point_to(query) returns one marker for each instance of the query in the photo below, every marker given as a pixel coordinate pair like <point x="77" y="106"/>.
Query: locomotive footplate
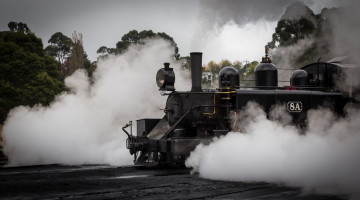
<point x="148" y="152"/>
<point x="181" y="146"/>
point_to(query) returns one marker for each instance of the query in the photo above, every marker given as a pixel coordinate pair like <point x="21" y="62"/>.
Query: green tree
<point x="167" y="37"/>
<point x="105" y="51"/>
<point x="102" y="50"/>
<point x="289" y="31"/>
<point x="59" y="48"/>
<point x="237" y="65"/>
<point x="135" y="37"/>
<point x="28" y="76"/>
<point x="214" y="67"/>
<point x="224" y="63"/>
<point x="89" y="66"/>
<point x="249" y="70"/>
<point x="19" y="27"/>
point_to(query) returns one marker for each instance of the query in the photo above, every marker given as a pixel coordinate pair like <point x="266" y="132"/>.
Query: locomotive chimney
<point x="196" y="71"/>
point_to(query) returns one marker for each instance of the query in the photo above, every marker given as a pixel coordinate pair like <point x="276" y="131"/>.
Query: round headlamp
<point x="165" y="78"/>
<point x="160" y="78"/>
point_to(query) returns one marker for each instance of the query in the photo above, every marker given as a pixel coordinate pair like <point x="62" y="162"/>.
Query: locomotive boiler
<point x="196" y="116"/>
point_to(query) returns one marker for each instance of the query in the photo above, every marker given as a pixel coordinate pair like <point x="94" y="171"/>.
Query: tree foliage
<point x="19" y="27"/>
<point x="28" y="76"/>
<point x="59" y="47"/>
<point x="215" y="68"/>
<point x="289" y="31"/>
<point x="135" y="37"/>
<point x="248" y="69"/>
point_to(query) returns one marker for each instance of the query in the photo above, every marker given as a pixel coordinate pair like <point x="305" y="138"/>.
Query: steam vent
<point x="266" y="74"/>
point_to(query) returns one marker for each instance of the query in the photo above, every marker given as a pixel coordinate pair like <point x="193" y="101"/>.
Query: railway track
<point x="107" y="182"/>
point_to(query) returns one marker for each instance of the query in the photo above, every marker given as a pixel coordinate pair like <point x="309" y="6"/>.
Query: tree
<point x="238" y="65"/>
<point x="76" y="58"/>
<point x="225" y="63"/>
<point x="214" y="67"/>
<point x="19" y="27"/>
<point x="28" y="76"/>
<point x="249" y="70"/>
<point x="89" y="66"/>
<point x="167" y="37"/>
<point x="135" y="37"/>
<point x="12" y="26"/>
<point x="289" y="31"/>
<point x="59" y="47"/>
<point x="102" y="50"/>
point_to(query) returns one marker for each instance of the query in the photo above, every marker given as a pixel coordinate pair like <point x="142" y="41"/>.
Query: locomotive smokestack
<point x="196" y="71"/>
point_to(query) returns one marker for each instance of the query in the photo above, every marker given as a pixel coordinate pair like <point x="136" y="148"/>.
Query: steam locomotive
<point x="197" y="116"/>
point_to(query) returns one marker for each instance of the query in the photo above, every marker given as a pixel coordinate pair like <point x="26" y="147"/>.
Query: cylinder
<point x="196" y="71"/>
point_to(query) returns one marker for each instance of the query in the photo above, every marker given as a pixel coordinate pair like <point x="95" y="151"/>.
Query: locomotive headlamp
<point x="165" y="78"/>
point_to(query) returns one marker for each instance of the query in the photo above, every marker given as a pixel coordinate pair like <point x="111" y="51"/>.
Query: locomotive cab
<point x="322" y="74"/>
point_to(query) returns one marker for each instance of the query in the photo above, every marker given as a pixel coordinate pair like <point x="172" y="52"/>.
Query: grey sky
<point x="104" y="23"/>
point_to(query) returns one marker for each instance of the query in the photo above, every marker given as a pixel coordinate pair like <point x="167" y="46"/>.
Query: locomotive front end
<point x="191" y="117"/>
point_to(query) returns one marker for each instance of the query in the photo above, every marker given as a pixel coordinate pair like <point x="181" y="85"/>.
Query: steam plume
<point x="324" y="159"/>
<point x="84" y="125"/>
<point x="214" y="15"/>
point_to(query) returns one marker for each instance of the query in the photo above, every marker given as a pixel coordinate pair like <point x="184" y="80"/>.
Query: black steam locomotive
<point x="197" y="116"/>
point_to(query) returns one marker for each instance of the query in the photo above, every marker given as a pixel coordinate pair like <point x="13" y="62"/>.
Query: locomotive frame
<point x="197" y="116"/>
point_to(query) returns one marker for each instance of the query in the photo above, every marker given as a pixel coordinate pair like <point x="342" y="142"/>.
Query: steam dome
<point x="229" y="78"/>
<point x="299" y="78"/>
<point x="266" y="74"/>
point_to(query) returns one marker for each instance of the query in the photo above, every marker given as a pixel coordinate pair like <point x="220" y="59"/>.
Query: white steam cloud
<point x="323" y="159"/>
<point x="84" y="125"/>
<point x="287" y="57"/>
<point x="214" y="15"/>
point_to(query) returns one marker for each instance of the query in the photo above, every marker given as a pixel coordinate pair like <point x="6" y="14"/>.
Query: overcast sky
<point x="105" y="22"/>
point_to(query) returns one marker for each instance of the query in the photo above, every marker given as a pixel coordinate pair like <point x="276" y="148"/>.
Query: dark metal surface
<point x="266" y="75"/>
<point x="229" y="77"/>
<point x="105" y="182"/>
<point x="196" y="71"/>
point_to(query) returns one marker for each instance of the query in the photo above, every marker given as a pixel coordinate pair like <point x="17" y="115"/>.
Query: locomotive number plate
<point x="294" y="106"/>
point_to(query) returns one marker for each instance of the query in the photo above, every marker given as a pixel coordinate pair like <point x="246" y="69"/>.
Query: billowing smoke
<point x="214" y="15"/>
<point x="287" y="57"/>
<point x="83" y="126"/>
<point x="323" y="158"/>
<point x="344" y="34"/>
<point x="336" y="36"/>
